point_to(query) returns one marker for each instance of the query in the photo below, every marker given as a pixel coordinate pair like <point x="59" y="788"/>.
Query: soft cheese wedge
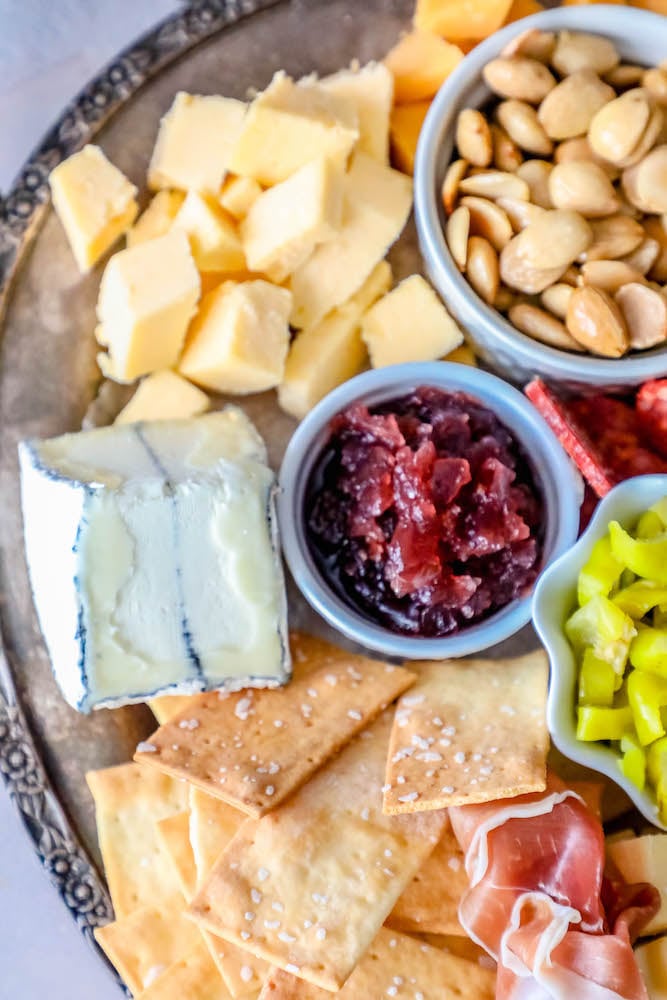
<point x="156" y="569"/>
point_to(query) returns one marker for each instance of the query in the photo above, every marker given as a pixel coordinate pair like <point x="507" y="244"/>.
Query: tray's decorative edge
<point x="21" y="212"/>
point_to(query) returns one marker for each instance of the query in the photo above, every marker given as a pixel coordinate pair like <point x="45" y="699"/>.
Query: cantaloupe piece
<point x="404" y="129"/>
<point x="455" y="19"/>
<point x="420" y="63"/>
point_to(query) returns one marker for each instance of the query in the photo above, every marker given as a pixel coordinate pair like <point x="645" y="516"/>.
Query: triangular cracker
<point x="174" y="836"/>
<point x="254" y="747"/>
<point x="469" y="731"/>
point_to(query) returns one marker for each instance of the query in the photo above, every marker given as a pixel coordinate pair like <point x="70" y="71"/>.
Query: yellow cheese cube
<point x="456" y="19"/>
<point x="326" y="355"/>
<point x="157" y="218"/>
<point x="463" y="355"/>
<point x="214" y="238"/>
<point x="406" y="124"/>
<point x="147" y="296"/>
<point x="652" y="962"/>
<point x="286" y="223"/>
<point x="376" y="205"/>
<point x="238" y="194"/>
<point x="371" y="88"/>
<point x="409" y="324"/>
<point x="287" y="125"/>
<point x="420" y="63"/>
<point x="644" y="859"/>
<point x="94" y="201"/>
<point x="194" y="143"/>
<point x="239" y="339"/>
<point x="164" y="396"/>
<point x="524" y="8"/>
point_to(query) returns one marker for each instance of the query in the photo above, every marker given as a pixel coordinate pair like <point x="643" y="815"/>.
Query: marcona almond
<point x="567" y="110"/>
<point x="521" y="123"/>
<point x="519" y="77"/>
<point x="520" y="213"/>
<point x="583" y="187"/>
<point x="456" y="234"/>
<point x="645" y="256"/>
<point x="532" y="43"/>
<point x="609" y="275"/>
<point x="536" y="174"/>
<point x="473" y="137"/>
<point x="655" y="228"/>
<point x="618" y="126"/>
<point x="647" y="181"/>
<point x="488" y="220"/>
<point x="456" y="171"/>
<point x="577" y="50"/>
<point x="495" y="184"/>
<point x="482" y="269"/>
<point x="579" y="149"/>
<point x="595" y="322"/>
<point x="613" y="237"/>
<point x="555" y="298"/>
<point x="645" y="314"/>
<point x="539" y="255"/>
<point x="652" y="134"/>
<point x="506" y="154"/>
<point x="655" y="81"/>
<point x="542" y="326"/>
<point x="624" y="76"/>
<point x="505" y="299"/>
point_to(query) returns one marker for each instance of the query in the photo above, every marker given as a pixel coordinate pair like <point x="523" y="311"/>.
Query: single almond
<point x="609" y="275"/>
<point x="556" y="297"/>
<point x="654" y="133"/>
<point x="645" y="314"/>
<point x="482" y="268"/>
<point x="520" y="213"/>
<point x="655" y="82"/>
<point x="580" y="149"/>
<point x="613" y="237"/>
<point x="595" y="322"/>
<point x="473" y="137"/>
<point x="624" y="76"/>
<point x="495" y="184"/>
<point x="645" y="184"/>
<point x="644" y="256"/>
<point x="619" y="124"/>
<point x="583" y="187"/>
<point x="456" y="171"/>
<point x="577" y="50"/>
<point x="568" y="110"/>
<point x="519" y="77"/>
<point x="487" y="219"/>
<point x="521" y="123"/>
<point x="506" y="154"/>
<point x="533" y="43"/>
<point x="540" y="254"/>
<point x="542" y="326"/>
<point x="456" y="234"/>
<point x="536" y="174"/>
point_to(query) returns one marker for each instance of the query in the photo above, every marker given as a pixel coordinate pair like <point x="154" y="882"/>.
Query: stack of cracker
<point x="286" y="844"/>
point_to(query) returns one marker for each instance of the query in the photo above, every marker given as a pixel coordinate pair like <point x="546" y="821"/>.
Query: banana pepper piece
<point x="600" y="574"/>
<point x="638" y="599"/>
<point x="648" y="651"/>
<point x="645" y="557"/>
<point x="595" y="723"/>
<point x="597" y="680"/>
<point x="633" y="761"/>
<point x="606" y="628"/>
<point x="647" y="694"/>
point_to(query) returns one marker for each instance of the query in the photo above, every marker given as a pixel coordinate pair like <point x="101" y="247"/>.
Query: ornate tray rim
<point x="22" y="211"/>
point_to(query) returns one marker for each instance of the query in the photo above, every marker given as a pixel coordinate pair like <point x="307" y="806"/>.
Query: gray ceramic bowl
<point x="561" y="487"/>
<point x="641" y="37"/>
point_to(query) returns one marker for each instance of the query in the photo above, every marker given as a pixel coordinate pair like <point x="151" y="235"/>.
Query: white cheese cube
<point x="157" y="569"/>
<point x="286" y="223"/>
<point x="147" y="297"/>
<point x="326" y="355"/>
<point x="214" y="239"/>
<point x="157" y="218"/>
<point x="194" y="143"/>
<point x="644" y="859"/>
<point x="238" y="194"/>
<point x="371" y="88"/>
<point x="376" y="205"/>
<point x="238" y="342"/>
<point x="288" y="125"/>
<point x="652" y="962"/>
<point x="164" y="396"/>
<point x="95" y="202"/>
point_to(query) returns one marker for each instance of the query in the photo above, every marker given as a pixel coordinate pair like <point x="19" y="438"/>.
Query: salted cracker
<point x="166" y="706"/>
<point x="213" y="823"/>
<point x="173" y="833"/>
<point x="252" y="748"/>
<point x="308" y="886"/>
<point x="242" y="972"/>
<point x="469" y="731"/>
<point x="192" y="978"/>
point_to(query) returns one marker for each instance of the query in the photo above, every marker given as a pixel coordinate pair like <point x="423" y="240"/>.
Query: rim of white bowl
<point x="630" y="22"/>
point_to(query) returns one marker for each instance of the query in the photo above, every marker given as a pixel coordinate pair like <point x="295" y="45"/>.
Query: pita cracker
<point x="142" y="946"/>
<point x="129" y="801"/>
<point x="165" y="706"/>
<point x="396" y="966"/>
<point x="308" y="886"/>
<point x="469" y="731"/>
<point x="213" y="823"/>
<point x="242" y="972"/>
<point x="430" y="903"/>
<point x="193" y="978"/>
<point x="252" y="748"/>
<point x="174" y="836"/>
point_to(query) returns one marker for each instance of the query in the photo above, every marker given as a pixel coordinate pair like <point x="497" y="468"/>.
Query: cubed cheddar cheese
<point x="644" y="859"/>
<point x="406" y="124"/>
<point x="287" y="125"/>
<point x="147" y="297"/>
<point x="524" y="8"/>
<point x="157" y="218"/>
<point x="238" y="195"/>
<point x="376" y="205"/>
<point x="287" y="222"/>
<point x="371" y="89"/>
<point x="326" y="355"/>
<point x="239" y="339"/>
<point x="214" y="238"/>
<point x="164" y="396"/>
<point x="95" y="202"/>
<point x="455" y="19"/>
<point x="420" y="63"/>
<point x="194" y="143"/>
<point x="652" y="961"/>
<point x="463" y="355"/>
<point x="409" y="324"/>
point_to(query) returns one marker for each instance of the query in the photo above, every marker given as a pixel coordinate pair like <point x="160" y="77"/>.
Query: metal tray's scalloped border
<point x="21" y="213"/>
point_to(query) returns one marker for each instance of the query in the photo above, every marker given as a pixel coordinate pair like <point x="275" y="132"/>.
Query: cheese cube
<point x="147" y="297"/>
<point x="326" y="355"/>
<point x="420" y="63"/>
<point x="371" y="88"/>
<point x="238" y="342"/>
<point x="194" y="143"/>
<point x="376" y="205"/>
<point x="214" y="238"/>
<point x="238" y="194"/>
<point x="94" y="201"/>
<point x="157" y="218"/>
<point x="652" y="962"/>
<point x="406" y="124"/>
<point x="409" y="324"/>
<point x="463" y="355"/>
<point x="288" y="125"/>
<point x="644" y="859"/>
<point x="286" y="223"/>
<point x="164" y="396"/>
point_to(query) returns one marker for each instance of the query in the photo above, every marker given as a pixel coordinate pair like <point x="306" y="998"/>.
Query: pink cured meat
<point x="541" y="903"/>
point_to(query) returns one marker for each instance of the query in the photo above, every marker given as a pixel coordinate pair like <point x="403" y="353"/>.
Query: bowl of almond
<point x="541" y="197"/>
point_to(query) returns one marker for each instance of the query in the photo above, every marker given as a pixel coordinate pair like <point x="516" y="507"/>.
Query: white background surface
<point x="48" y="50"/>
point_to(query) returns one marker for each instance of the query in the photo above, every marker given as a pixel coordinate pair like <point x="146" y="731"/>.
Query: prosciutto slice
<point x="541" y="903"/>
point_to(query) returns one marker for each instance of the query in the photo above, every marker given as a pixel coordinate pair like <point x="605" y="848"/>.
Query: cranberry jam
<point x="423" y="513"/>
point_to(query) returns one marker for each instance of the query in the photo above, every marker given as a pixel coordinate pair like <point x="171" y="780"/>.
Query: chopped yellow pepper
<point x="633" y="761"/>
<point x="600" y="574"/>
<point x="647" y="694"/>
<point x="597" y="680"/>
<point x="638" y="599"/>
<point x="656" y="762"/>
<point x="602" y="625"/>
<point x="660" y="508"/>
<point x="645" y="557"/>
<point x="649" y="525"/>
<point x="648" y="651"/>
<point x="595" y="723"/>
